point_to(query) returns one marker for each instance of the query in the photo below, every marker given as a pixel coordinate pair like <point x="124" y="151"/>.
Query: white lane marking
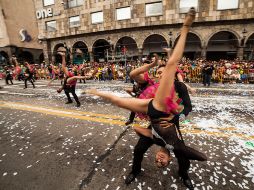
<point x="226" y="89"/>
<point x="18" y="86"/>
<point x="42" y="109"/>
<point x="15" y="93"/>
<point x="222" y="98"/>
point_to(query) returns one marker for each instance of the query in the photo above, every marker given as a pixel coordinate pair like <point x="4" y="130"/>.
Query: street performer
<point x="70" y="80"/>
<point x="165" y="105"/>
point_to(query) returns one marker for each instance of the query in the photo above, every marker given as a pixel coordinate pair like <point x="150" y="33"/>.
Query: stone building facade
<point x="19" y="31"/>
<point x="106" y="29"/>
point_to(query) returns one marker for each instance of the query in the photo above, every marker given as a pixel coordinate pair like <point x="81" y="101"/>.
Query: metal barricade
<point x="251" y="76"/>
<point x="195" y="75"/>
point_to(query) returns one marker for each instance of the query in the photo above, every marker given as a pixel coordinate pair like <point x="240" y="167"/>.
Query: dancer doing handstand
<point x="70" y="80"/>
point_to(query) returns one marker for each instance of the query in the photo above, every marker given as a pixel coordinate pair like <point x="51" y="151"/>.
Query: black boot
<point x="128" y="122"/>
<point x="187" y="182"/>
<point x="59" y="90"/>
<point x="130" y="178"/>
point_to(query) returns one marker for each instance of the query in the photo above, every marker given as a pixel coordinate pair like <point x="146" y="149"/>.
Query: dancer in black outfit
<point x="70" y="88"/>
<point x="163" y="107"/>
<point x="141" y="82"/>
<point x="70" y="81"/>
<point x="28" y="75"/>
<point x="145" y="143"/>
<point x="17" y="68"/>
<point x="8" y="75"/>
<point x="208" y="72"/>
<point x="133" y="93"/>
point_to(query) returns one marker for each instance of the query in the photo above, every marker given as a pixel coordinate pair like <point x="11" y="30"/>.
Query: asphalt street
<point x="47" y="144"/>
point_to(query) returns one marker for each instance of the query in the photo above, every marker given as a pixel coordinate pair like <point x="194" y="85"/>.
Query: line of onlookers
<point x="198" y="71"/>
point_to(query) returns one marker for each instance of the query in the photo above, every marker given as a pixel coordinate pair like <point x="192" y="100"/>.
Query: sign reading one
<point x="44" y="13"/>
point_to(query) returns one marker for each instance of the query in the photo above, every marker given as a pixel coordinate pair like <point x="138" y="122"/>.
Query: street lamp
<point x="244" y="32"/>
<point x="170" y="39"/>
<point x="111" y="46"/>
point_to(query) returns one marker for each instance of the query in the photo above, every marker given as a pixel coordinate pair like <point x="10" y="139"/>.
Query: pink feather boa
<point x="173" y="101"/>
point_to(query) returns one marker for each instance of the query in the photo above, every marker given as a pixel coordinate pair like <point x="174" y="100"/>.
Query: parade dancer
<point x="142" y="81"/>
<point x="131" y="92"/>
<point x="69" y="86"/>
<point x="135" y="91"/>
<point x="8" y="75"/>
<point x="82" y="71"/>
<point x="208" y="72"/>
<point x="28" y="74"/>
<point x="164" y="106"/>
<point x="57" y="73"/>
<point x="146" y="138"/>
<point x="17" y="68"/>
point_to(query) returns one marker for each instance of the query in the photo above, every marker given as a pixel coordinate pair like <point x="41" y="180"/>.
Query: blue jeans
<point x="127" y="77"/>
<point x="207" y="79"/>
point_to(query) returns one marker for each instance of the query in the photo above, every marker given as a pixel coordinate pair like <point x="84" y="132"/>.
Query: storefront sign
<point x="25" y="37"/>
<point x="44" y="13"/>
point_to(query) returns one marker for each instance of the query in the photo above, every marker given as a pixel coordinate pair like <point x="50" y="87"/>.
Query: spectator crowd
<point x="223" y="71"/>
<point x="197" y="71"/>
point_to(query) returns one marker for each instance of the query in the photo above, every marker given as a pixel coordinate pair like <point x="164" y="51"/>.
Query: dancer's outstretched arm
<point x="132" y="104"/>
<point x="75" y="78"/>
<point x="15" y="61"/>
<point x="53" y="68"/>
<point x="28" y="66"/>
<point x="65" y="70"/>
<point x="167" y="80"/>
<point x="138" y="73"/>
<point x="16" y="65"/>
